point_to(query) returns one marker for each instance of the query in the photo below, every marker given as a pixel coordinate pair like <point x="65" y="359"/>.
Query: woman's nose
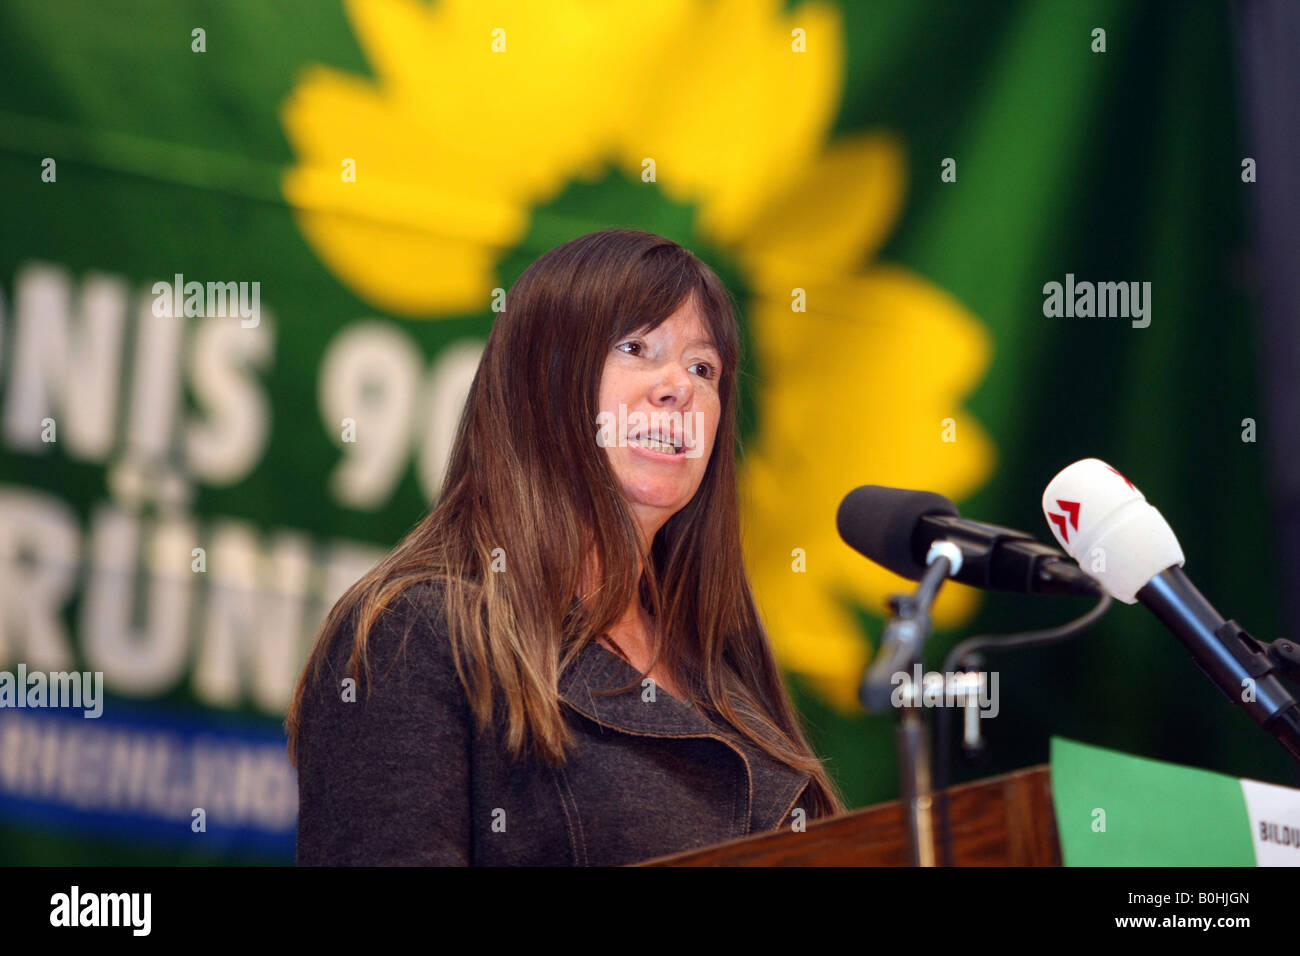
<point x="673" y="385"/>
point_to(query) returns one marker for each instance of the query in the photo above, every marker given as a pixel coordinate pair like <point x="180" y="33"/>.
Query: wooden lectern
<point x="1000" y="821"/>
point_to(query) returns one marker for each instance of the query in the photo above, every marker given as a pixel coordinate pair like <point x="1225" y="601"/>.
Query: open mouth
<point x="665" y="445"/>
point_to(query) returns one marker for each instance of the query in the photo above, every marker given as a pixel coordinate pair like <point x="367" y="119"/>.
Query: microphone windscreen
<point x="1104" y="523"/>
<point x="880" y="523"/>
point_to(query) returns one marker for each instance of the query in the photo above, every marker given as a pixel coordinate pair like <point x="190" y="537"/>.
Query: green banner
<point x="1113" y="809"/>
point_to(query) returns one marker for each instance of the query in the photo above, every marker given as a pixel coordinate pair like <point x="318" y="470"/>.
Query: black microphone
<point x="895" y="528"/>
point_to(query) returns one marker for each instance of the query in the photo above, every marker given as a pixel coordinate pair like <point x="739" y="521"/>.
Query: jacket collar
<point x="773" y="785"/>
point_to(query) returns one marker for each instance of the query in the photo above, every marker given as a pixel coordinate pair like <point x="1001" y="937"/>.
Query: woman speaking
<point x="562" y="664"/>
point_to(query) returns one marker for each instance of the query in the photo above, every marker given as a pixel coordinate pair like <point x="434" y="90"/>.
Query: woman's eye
<point x="707" y="369"/>
<point x="625" y="346"/>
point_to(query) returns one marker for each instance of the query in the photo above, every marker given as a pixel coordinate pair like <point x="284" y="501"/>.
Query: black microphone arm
<point x="896" y="528"/>
<point x="1239" y="665"/>
<point x="1002" y="559"/>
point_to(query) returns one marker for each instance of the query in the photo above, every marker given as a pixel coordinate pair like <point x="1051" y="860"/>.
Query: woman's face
<point x="659" y="392"/>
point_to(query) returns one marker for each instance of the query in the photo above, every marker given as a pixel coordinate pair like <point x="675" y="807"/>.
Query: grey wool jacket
<point x="403" y="776"/>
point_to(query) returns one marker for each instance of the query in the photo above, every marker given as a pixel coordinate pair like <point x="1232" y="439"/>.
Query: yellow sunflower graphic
<point x="480" y="111"/>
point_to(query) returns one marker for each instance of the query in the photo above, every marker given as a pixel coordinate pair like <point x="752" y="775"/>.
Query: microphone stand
<point x="1245" y="670"/>
<point x="1284" y="656"/>
<point x="901" y="645"/>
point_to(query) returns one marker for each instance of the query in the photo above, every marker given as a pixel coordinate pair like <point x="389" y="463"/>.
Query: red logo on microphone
<point x="1072" y="509"/>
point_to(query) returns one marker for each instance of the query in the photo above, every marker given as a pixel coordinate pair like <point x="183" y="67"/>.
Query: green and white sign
<point x="1114" y="809"/>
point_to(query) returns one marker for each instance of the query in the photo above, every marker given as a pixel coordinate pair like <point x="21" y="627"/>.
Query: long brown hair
<point x="536" y="392"/>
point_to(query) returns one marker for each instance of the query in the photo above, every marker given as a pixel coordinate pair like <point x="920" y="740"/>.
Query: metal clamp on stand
<point x="901" y="646"/>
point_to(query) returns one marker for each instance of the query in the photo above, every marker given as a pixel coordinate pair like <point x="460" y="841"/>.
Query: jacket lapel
<point x="773" y="786"/>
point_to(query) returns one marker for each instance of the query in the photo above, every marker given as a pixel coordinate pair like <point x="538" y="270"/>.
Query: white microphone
<point x="1105" y="524"/>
